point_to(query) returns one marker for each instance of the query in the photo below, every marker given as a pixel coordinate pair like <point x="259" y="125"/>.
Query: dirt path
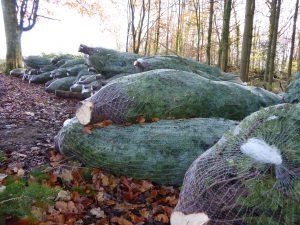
<point x="29" y="120"/>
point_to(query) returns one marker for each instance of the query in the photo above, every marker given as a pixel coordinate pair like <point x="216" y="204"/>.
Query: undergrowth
<point x="22" y="194"/>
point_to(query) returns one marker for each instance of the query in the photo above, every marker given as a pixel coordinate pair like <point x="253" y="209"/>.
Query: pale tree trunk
<point x="12" y="11"/>
<point x="237" y="41"/>
<point x="293" y="42"/>
<point x="274" y="45"/>
<point x="223" y="52"/>
<point x="181" y="7"/>
<point x="271" y="37"/>
<point x="148" y="25"/>
<point x="12" y="34"/>
<point x="298" y="67"/>
<point x="168" y="28"/>
<point x="247" y="39"/>
<point x="196" y="4"/>
<point x="209" y="32"/>
<point x="157" y="33"/>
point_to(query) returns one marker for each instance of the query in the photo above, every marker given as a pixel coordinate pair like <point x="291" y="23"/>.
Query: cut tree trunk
<point x="109" y="62"/>
<point x="40" y="78"/>
<point x="171" y="93"/>
<point x="69" y="94"/>
<point x="63" y="84"/>
<point x="160" y="151"/>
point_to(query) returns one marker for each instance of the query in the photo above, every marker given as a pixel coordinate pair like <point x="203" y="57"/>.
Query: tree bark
<point x="223" y="51"/>
<point x="12" y="34"/>
<point x="298" y="67"/>
<point x="274" y="45"/>
<point x="157" y="32"/>
<point x="247" y="39"/>
<point x="271" y="37"/>
<point x="293" y="42"/>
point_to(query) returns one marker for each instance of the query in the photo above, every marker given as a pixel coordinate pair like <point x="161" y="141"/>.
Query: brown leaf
<point x="61" y="206"/>
<point x="120" y="221"/>
<point x="88" y="129"/>
<point x="136" y="219"/>
<point x="103" y="124"/>
<point x="155" y="119"/>
<point x="162" y="218"/>
<point x="140" y="119"/>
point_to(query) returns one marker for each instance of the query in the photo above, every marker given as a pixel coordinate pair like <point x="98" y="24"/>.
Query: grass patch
<point x="2" y="65"/>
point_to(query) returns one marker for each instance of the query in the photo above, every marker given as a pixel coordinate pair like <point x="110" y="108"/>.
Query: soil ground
<point x="29" y="120"/>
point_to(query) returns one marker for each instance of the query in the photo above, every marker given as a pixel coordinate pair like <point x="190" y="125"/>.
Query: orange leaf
<point x="88" y="129"/>
<point x="140" y="119"/>
<point x="120" y="221"/>
<point x="144" y="213"/>
<point x="102" y="124"/>
<point x="162" y="218"/>
<point x="155" y="119"/>
<point x="136" y="219"/>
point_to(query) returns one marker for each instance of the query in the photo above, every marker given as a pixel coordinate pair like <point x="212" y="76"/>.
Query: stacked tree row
<point x="160" y="151"/>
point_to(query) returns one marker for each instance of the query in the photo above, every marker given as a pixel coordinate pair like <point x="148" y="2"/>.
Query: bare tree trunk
<point x="157" y="28"/>
<point x="274" y="45"/>
<point x="168" y="29"/>
<point x="271" y="37"/>
<point x="12" y="34"/>
<point x="148" y="22"/>
<point x="181" y="6"/>
<point x="298" y="67"/>
<point x="196" y="4"/>
<point x="209" y="32"/>
<point x="223" y="54"/>
<point x="293" y="42"/>
<point x="247" y="39"/>
<point x="237" y="40"/>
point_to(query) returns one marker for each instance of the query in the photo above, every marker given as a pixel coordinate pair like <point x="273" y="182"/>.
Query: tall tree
<point x="209" y="32"/>
<point x="136" y="27"/>
<point x="274" y="45"/>
<point x="223" y="51"/>
<point x="272" y="32"/>
<point x="247" y="40"/>
<point x="18" y="17"/>
<point x="293" y="41"/>
<point x="196" y="4"/>
<point x="158" y="24"/>
<point x="298" y="67"/>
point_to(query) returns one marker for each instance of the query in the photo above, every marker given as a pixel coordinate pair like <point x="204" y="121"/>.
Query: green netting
<point x="293" y="91"/>
<point x="252" y="175"/>
<point x="36" y="62"/>
<point x="63" y="84"/>
<point x="184" y="64"/>
<point x="172" y="93"/>
<point x="160" y="151"/>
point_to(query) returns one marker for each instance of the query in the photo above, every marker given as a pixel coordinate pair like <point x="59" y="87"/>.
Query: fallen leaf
<point x="140" y="119"/>
<point x="61" y="206"/>
<point x="88" y="129"/>
<point x="97" y="212"/>
<point x="120" y="221"/>
<point x="155" y="119"/>
<point x="103" y="124"/>
<point x="63" y="196"/>
<point x="162" y="218"/>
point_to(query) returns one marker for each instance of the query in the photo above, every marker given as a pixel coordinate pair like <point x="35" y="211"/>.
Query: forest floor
<point x="29" y="120"/>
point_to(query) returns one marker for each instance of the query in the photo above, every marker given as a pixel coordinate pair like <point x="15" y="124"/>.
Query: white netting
<point x="251" y="176"/>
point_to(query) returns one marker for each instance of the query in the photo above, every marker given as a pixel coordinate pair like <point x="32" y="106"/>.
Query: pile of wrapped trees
<point x="79" y="77"/>
<point x="193" y="112"/>
<point x="293" y="91"/>
<point x="251" y="176"/>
